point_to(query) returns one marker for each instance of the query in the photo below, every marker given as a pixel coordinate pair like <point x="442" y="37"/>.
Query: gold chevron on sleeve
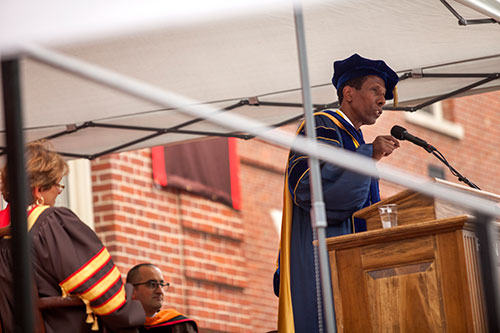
<point x="102" y="286"/>
<point x="113" y="304"/>
<point x="86" y="271"/>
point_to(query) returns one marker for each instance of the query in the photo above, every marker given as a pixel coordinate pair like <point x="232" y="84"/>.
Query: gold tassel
<point x="95" y="325"/>
<point x="64" y="293"/>
<point x="88" y="310"/>
<point x="91" y="318"/>
<point x="395" y="92"/>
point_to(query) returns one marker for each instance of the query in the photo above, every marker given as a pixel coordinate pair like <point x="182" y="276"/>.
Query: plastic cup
<point x="388" y="215"/>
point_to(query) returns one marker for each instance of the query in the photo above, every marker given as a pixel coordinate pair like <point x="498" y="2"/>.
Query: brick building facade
<point x="220" y="261"/>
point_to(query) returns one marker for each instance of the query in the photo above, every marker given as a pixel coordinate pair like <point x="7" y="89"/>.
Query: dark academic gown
<point x="68" y="258"/>
<point x="344" y="193"/>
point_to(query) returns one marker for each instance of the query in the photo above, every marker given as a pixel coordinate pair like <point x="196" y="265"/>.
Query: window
<point x="77" y="195"/>
<point x="435" y="171"/>
<point x="433" y="117"/>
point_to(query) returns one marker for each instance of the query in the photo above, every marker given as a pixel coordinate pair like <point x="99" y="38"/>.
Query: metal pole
<point x="487" y="232"/>
<point x="318" y="213"/>
<point x="21" y="246"/>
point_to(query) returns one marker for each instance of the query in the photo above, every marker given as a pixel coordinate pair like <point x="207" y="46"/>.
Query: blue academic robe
<point x="344" y="192"/>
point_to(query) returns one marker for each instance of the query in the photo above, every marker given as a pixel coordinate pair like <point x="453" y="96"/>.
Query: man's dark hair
<point x="356" y="83"/>
<point x="133" y="273"/>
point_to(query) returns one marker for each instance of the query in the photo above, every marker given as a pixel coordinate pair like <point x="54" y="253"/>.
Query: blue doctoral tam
<point x="356" y="66"/>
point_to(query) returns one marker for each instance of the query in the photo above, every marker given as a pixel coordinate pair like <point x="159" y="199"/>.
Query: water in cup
<point x="388" y="215"/>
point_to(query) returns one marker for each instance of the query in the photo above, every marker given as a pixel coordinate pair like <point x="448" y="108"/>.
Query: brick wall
<point x="475" y="156"/>
<point x="220" y="261"/>
<point x="262" y="168"/>
<point x="197" y="243"/>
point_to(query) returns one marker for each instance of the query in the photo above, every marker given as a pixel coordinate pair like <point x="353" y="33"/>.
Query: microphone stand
<point x="453" y="171"/>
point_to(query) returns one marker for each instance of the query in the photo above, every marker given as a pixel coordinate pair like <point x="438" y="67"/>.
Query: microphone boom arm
<point x="401" y="133"/>
<point x="453" y="171"/>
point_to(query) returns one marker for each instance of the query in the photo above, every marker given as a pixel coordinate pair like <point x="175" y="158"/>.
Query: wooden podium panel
<point x="412" y="278"/>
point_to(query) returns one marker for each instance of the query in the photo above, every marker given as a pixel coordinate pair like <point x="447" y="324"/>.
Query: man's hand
<point x="383" y="146"/>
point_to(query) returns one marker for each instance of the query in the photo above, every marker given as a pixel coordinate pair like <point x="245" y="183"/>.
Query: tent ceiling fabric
<point x="222" y="61"/>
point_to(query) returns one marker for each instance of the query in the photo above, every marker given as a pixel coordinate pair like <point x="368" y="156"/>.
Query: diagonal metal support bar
<point x="197" y="120"/>
<point x="72" y="129"/>
<point x="457" y="91"/>
<point x="487" y="78"/>
<point x="157" y="132"/>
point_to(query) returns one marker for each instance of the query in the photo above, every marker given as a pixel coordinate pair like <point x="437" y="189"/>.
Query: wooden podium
<point x="421" y="276"/>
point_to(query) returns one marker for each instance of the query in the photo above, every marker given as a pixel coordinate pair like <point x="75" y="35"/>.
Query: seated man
<point x="149" y="285"/>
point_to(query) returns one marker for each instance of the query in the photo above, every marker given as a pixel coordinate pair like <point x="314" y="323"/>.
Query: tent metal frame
<point x="255" y="101"/>
<point x="485" y="211"/>
<point x="462" y="21"/>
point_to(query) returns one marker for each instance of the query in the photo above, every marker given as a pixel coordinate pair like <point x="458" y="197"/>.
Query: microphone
<point x="401" y="133"/>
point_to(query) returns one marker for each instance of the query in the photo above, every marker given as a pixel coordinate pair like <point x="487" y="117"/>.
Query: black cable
<point x="453" y="171"/>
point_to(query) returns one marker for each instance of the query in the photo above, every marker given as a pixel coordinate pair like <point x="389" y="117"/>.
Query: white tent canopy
<point x="224" y="59"/>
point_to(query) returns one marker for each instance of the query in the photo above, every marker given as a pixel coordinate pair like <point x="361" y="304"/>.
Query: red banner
<point x="209" y="168"/>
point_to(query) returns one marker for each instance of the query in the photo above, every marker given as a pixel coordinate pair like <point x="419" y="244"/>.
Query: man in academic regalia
<point x="149" y="288"/>
<point x="363" y="86"/>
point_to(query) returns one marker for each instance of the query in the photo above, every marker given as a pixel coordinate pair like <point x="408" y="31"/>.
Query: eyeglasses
<point x="153" y="284"/>
<point x="60" y="186"/>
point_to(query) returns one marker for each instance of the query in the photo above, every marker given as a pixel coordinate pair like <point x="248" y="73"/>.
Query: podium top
<point x="415" y="207"/>
<point x="483" y="194"/>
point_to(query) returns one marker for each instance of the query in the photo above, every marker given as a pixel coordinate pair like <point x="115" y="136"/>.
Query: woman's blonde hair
<point x="44" y="168"/>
